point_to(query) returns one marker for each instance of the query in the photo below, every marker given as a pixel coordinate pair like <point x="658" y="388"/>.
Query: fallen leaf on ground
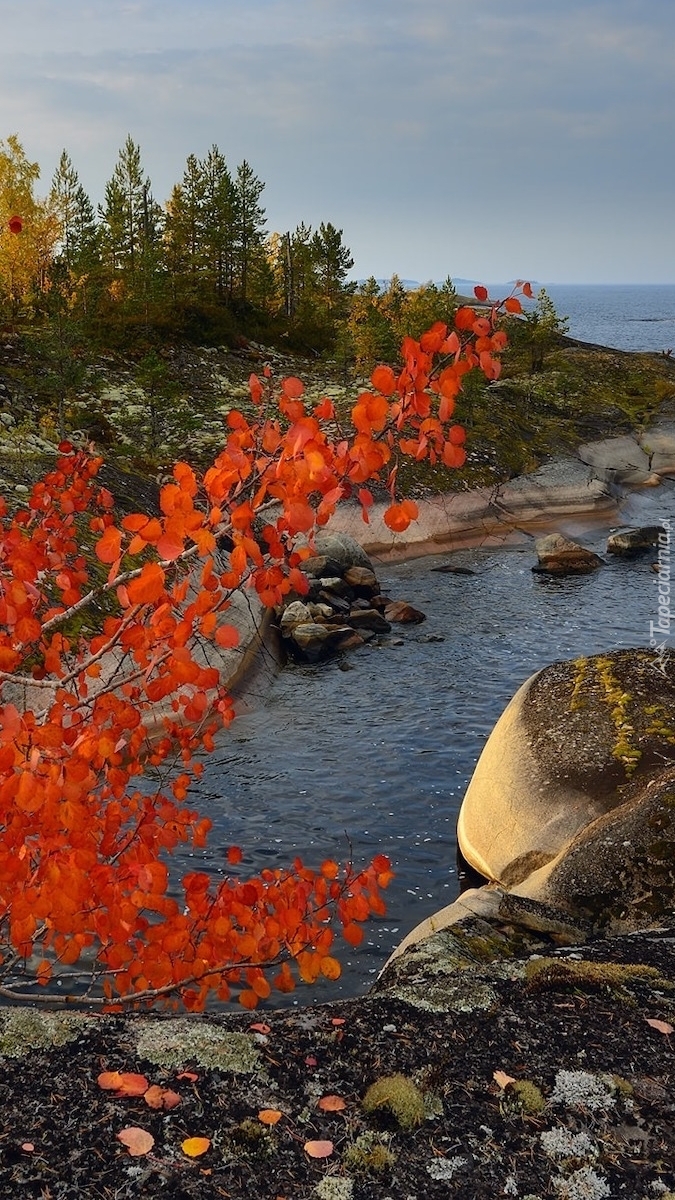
<point x="136" y="1140"/>
<point x="194" y="1146"/>
<point x="269" y="1116"/>
<point x="159" y="1097"/>
<point x="28" y="1147"/>
<point x="501" y="1078"/>
<point x="188" y="1075"/>
<point x="261" y="1027"/>
<point x="332" y="1104"/>
<point x="338" y="1020"/>
<point x="123" y="1083"/>
<point x="319" y="1149"/>
<point x="662" y="1026"/>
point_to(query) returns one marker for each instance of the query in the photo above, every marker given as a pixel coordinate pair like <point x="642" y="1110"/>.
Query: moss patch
<point x="179" y="1041"/>
<point x="23" y="1030"/>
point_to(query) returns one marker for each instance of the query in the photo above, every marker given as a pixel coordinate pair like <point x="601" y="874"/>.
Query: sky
<point x="491" y="141"/>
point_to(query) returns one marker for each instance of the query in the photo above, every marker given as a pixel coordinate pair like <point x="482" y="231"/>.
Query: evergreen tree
<point x="218" y="223"/>
<point x="132" y="219"/>
<point x="249" y="226"/>
<point x="333" y="261"/>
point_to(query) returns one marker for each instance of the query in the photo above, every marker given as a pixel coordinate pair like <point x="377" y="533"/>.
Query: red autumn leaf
<point x="465" y="317"/>
<point x="513" y="305"/>
<point x="527" y="290"/>
<point x="332" y="1103"/>
<point x="318" y="1149"/>
<point x="227" y="637"/>
<point x="261" y="1027"/>
<point x="137" y="1141"/>
<point x="256" y="389"/>
<point x="15" y="224"/>
<point x="190" y="1075"/>
<point x="324" y="410"/>
<point x="383" y="380"/>
<point x="292" y="387"/>
<point x="398" y="516"/>
<point x="123" y="1083"/>
<point x="481" y="293"/>
<point x="234" y="855"/>
<point x="108" y="547"/>
<point x="148" y="586"/>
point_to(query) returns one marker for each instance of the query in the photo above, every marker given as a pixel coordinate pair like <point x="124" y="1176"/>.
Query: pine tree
<point x="249" y="226"/>
<point x="333" y="262"/>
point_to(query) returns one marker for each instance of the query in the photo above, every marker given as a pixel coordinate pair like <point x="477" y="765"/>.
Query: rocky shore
<point x="512" y="1051"/>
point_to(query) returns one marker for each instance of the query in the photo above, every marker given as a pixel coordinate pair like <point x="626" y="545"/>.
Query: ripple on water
<point x="377" y="758"/>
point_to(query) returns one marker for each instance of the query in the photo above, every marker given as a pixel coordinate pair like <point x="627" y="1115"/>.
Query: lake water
<point x="374" y="752"/>
<point x="625" y="316"/>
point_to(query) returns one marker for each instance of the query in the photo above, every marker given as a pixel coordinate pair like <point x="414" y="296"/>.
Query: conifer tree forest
<point x="204" y="265"/>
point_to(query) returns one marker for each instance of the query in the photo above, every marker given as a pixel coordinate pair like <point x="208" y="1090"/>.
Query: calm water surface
<point x="375" y="752"/>
<point x="628" y="316"/>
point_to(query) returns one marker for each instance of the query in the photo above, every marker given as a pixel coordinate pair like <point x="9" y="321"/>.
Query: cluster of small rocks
<point x="558" y="555"/>
<point x="344" y="607"/>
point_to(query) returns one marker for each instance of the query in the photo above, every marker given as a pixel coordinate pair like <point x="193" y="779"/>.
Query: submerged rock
<point x="631" y="540"/>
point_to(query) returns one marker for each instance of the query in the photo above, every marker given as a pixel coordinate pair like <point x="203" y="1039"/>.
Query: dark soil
<point x="58" y="1127"/>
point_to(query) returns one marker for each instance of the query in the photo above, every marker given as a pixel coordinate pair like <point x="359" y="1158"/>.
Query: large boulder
<point x="558" y="555"/>
<point x="572" y="802"/>
<point x="342" y="549"/>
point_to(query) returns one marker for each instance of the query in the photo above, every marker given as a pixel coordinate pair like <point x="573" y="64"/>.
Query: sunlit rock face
<point x="572" y="802"/>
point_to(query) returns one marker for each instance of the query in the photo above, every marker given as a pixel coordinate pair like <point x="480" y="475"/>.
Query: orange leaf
<point x="148" y="586"/>
<point x="227" y="637"/>
<point x="383" y="380"/>
<point x="527" y="290"/>
<point x="270" y="1116"/>
<point x="330" y="967"/>
<point x="194" y="1146"/>
<point x="109" y="546"/>
<point x="332" y="1104"/>
<point x="123" y="1083"/>
<point x="292" y="387"/>
<point x="319" y="1149"/>
<point x="481" y="293"/>
<point x="513" y="305"/>
<point x="137" y="1141"/>
<point x="234" y="855"/>
<point x="159" y="1097"/>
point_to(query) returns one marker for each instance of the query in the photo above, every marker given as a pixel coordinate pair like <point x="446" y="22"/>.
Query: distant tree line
<point x="203" y="265"/>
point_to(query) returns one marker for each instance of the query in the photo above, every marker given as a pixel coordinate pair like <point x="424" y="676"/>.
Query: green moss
<point x="399" y="1096"/>
<point x="369" y="1155"/>
<point x="250" y="1139"/>
<point x="23" y="1030"/>
<point x="554" y="973"/>
<point x="527" y="1096"/>
<point x="179" y="1041"/>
